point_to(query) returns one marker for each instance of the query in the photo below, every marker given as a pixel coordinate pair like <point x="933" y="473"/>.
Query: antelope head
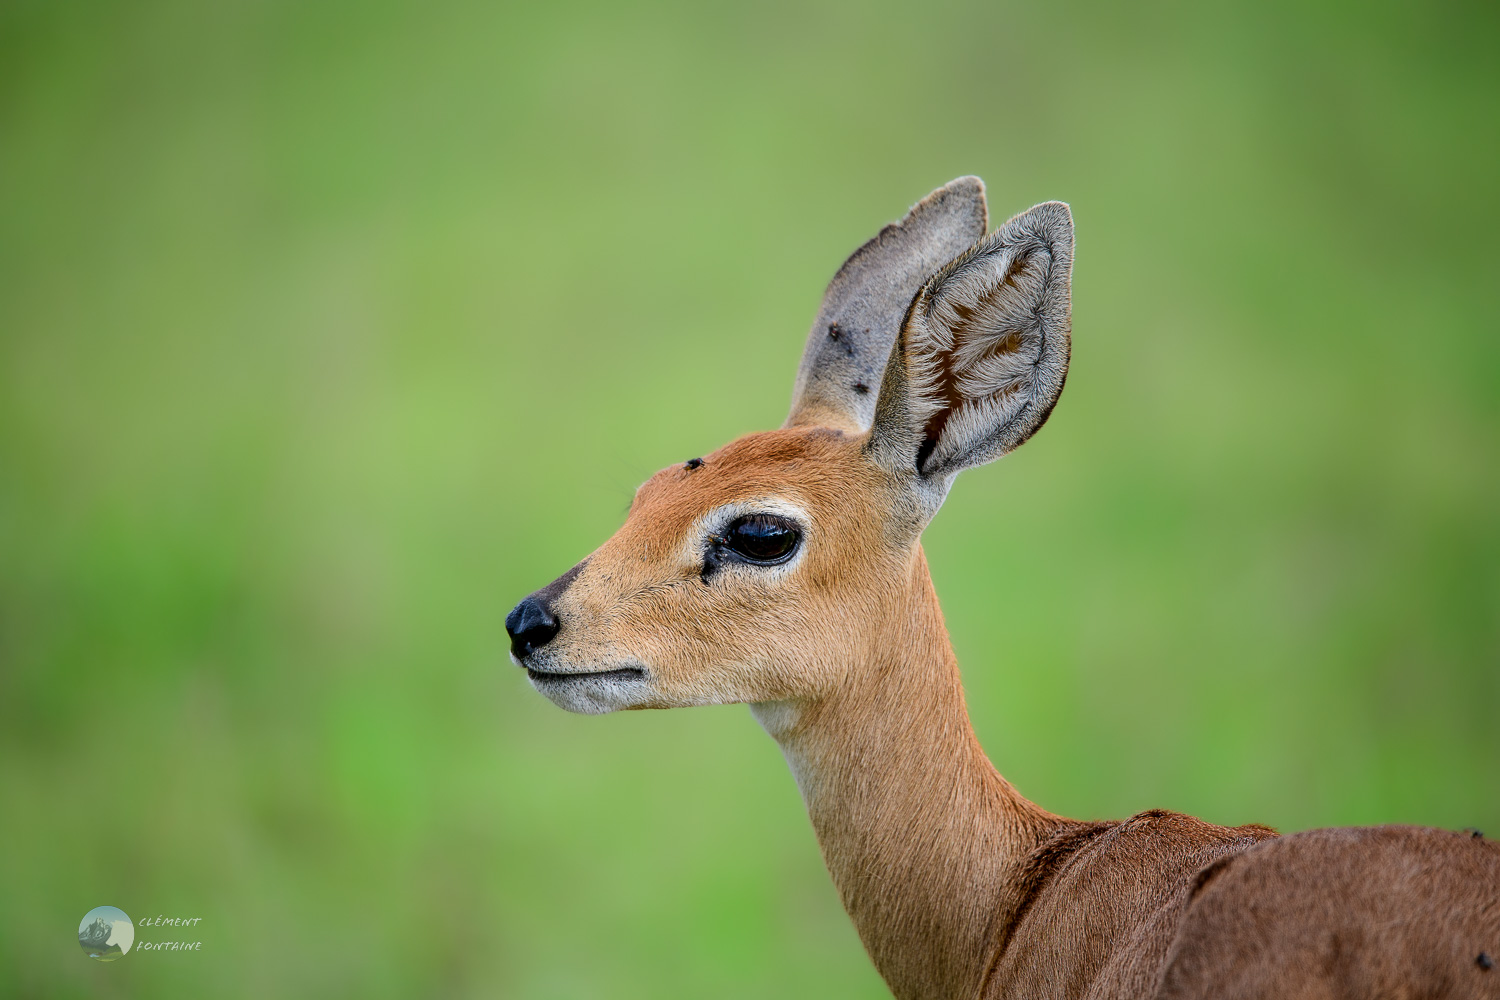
<point x="760" y="573"/>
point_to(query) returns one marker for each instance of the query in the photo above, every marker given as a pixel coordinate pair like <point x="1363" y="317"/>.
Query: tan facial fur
<point x="741" y="632"/>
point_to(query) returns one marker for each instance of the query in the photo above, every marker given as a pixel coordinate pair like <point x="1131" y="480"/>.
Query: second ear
<point x="856" y="325"/>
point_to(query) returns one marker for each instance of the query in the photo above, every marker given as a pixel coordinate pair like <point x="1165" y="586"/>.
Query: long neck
<point x="922" y="836"/>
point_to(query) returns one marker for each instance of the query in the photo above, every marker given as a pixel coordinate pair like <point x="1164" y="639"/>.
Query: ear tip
<point x="969" y="183"/>
<point x="1058" y="212"/>
<point x="1051" y="220"/>
<point x="959" y="196"/>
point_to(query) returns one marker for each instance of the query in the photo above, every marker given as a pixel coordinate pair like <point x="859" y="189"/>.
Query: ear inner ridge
<point x="985" y="347"/>
<point x="951" y="374"/>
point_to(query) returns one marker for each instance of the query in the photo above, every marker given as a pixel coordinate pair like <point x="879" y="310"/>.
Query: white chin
<point x="588" y="695"/>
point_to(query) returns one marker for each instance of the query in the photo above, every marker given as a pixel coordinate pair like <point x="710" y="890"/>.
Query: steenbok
<point x="785" y="570"/>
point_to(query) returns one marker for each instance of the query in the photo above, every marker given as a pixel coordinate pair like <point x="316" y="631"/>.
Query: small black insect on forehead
<point x="692" y="464"/>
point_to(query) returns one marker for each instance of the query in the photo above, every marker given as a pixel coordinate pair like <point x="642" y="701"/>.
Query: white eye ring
<point x="759" y="539"/>
<point x="710" y="537"/>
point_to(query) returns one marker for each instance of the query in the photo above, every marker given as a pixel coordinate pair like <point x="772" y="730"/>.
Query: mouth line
<point x="620" y="674"/>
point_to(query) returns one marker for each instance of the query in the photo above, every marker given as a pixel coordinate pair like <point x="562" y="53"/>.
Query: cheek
<point x="724" y="620"/>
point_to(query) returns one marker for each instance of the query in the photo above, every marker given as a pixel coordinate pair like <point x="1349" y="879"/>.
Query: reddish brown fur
<point x="1344" y="914"/>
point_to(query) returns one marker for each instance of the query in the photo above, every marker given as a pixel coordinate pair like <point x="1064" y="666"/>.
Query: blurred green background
<point x="328" y="330"/>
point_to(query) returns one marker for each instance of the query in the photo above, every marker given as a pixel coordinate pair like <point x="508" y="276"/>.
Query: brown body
<point x="958" y="885"/>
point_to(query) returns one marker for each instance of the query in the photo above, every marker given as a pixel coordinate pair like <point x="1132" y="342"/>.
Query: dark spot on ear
<point x="1484" y="961"/>
<point x="843" y="338"/>
<point x="1476" y="834"/>
<point x="692" y="464"/>
<point x="861" y="388"/>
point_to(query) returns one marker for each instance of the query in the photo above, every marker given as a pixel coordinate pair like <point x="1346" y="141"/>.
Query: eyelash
<point x="784" y="536"/>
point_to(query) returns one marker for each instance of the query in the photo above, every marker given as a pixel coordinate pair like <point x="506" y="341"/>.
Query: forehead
<point x="806" y="466"/>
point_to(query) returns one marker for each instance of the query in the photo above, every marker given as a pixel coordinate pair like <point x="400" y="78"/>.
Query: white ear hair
<point x="983" y="352"/>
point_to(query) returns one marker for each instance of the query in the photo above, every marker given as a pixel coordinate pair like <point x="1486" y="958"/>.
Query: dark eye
<point x="762" y="538"/>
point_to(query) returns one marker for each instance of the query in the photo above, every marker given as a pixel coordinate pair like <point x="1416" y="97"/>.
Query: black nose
<point x="531" y="626"/>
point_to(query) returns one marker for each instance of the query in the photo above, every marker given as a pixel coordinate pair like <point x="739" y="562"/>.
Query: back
<point x="1390" y="911"/>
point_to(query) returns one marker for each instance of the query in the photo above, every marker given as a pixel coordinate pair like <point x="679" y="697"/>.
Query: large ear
<point x="851" y="339"/>
<point x="983" y="353"/>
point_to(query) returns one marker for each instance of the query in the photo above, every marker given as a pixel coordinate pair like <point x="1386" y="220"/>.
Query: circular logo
<point x="105" y="933"/>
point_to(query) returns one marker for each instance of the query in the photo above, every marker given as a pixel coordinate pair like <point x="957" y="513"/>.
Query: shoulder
<point x="1096" y="894"/>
